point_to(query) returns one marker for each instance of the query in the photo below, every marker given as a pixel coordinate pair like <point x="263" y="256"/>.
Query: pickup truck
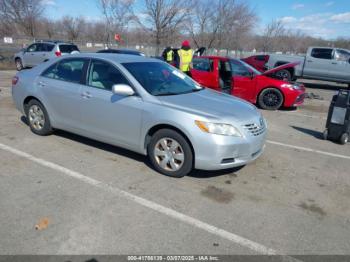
<point x="320" y="63"/>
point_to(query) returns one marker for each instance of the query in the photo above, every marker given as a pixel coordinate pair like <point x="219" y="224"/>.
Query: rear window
<point x="68" y="48"/>
<point x="322" y="53"/>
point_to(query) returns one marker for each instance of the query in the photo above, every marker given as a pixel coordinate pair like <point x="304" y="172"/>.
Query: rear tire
<point x="344" y="139"/>
<point x="38" y="119"/>
<point x="170" y="153"/>
<point x="270" y="99"/>
<point x="284" y="74"/>
<point x="19" y="64"/>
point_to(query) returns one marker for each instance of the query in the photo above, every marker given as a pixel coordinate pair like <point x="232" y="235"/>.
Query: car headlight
<point x="291" y="86"/>
<point x="218" y="128"/>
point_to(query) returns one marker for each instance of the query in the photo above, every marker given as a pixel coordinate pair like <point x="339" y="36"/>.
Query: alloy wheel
<point x="169" y="154"/>
<point x="36" y="117"/>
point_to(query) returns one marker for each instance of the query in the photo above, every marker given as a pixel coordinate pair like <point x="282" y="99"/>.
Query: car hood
<point x="278" y="68"/>
<point x="213" y="105"/>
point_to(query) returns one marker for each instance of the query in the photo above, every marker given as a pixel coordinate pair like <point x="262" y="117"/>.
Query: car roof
<point x="121" y="58"/>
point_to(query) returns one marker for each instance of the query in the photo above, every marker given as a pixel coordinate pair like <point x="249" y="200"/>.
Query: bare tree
<point x="48" y="27"/>
<point x="220" y="23"/>
<point x="73" y="26"/>
<point x="117" y="15"/>
<point x="24" y="13"/>
<point x="272" y="33"/>
<point x="164" y="18"/>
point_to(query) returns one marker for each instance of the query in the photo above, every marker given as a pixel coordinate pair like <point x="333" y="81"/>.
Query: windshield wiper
<point x="168" y="94"/>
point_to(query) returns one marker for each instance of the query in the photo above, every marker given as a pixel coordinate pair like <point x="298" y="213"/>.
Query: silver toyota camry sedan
<point x="143" y="105"/>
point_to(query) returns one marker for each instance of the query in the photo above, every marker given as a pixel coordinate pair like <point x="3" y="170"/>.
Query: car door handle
<point x="309" y="61"/>
<point x="41" y="83"/>
<point x="86" y="95"/>
<point x="334" y="63"/>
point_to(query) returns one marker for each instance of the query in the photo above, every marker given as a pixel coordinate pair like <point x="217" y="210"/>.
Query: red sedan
<point x="237" y="78"/>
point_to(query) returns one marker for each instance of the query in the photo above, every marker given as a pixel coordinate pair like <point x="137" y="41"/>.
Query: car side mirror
<point x="252" y="75"/>
<point x="24" y="50"/>
<point x="122" y="90"/>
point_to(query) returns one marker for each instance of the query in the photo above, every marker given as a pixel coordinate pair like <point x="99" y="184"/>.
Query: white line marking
<point x="308" y="149"/>
<point x="149" y="204"/>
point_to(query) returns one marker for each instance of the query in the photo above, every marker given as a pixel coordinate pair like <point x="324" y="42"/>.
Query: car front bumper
<point x="222" y="152"/>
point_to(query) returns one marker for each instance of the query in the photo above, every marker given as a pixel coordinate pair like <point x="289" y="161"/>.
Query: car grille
<point x="255" y="129"/>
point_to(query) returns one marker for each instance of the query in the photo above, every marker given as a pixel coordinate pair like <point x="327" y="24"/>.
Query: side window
<point x="342" y="55"/>
<point x="70" y="70"/>
<point x="47" y="47"/>
<point x="202" y="64"/>
<point x="32" y="48"/>
<point x="239" y="70"/>
<point x="322" y="53"/>
<point x="104" y="75"/>
<point x="51" y="72"/>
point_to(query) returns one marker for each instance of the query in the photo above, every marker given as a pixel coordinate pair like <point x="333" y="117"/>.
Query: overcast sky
<point x="319" y="18"/>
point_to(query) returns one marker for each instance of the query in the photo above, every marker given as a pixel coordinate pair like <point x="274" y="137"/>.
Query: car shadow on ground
<point x="208" y="174"/>
<point x="323" y="86"/>
<point x="130" y="154"/>
<point x="310" y="132"/>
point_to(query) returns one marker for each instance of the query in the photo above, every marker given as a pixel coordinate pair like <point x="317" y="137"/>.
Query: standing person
<point x="168" y="55"/>
<point x="185" y="56"/>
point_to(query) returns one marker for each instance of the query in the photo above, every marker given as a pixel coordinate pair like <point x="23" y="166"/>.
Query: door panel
<point x="244" y="87"/>
<point x="63" y="99"/>
<point x="243" y="84"/>
<point x="110" y="117"/>
<point x="106" y="116"/>
<point x="61" y="85"/>
<point x="205" y="73"/>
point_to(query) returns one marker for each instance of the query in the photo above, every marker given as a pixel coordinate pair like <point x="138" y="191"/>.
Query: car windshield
<point x="161" y="79"/>
<point x="252" y="69"/>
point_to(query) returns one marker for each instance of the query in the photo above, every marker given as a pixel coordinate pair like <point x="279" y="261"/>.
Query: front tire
<point x="19" y="64"/>
<point x="170" y="153"/>
<point x="38" y="119"/>
<point x="284" y="74"/>
<point x="344" y="139"/>
<point x="270" y="99"/>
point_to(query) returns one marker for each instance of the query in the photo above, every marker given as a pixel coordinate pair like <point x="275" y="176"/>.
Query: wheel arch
<point x="157" y="127"/>
<point x="274" y="87"/>
<point x="290" y="69"/>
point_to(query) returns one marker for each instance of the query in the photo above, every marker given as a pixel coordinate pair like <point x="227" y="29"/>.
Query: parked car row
<point x="42" y="51"/>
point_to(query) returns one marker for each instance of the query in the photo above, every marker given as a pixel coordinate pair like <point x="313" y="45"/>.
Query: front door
<point x="106" y="116"/>
<point x="243" y="81"/>
<point x="204" y="72"/>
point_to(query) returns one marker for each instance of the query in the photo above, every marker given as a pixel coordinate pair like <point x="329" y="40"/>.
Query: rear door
<point x="319" y="64"/>
<point x="43" y="52"/>
<point x="243" y="85"/>
<point x="61" y="85"/>
<point x="204" y="72"/>
<point x="106" y="116"/>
